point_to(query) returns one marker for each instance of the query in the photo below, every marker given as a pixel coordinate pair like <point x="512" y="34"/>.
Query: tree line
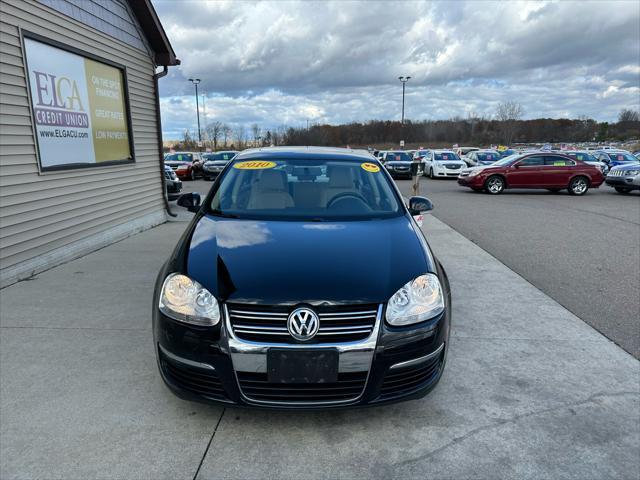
<point x="506" y="127"/>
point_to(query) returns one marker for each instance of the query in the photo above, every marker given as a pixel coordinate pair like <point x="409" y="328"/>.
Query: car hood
<point x="286" y="263"/>
<point x="626" y="166"/>
<point x="216" y="163"/>
<point x="176" y="163"/>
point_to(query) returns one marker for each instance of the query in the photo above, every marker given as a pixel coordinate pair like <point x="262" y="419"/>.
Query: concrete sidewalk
<point x="529" y="391"/>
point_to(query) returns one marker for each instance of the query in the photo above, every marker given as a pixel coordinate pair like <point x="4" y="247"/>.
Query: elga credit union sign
<point x="79" y="108"/>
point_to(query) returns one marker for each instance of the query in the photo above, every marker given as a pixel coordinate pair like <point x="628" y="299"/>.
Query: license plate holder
<point x="302" y="366"/>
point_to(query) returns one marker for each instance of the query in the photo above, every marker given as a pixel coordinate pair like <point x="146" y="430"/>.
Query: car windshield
<point x="398" y="157"/>
<point x="622" y="157"/>
<point x="507" y="160"/>
<point x="310" y="190"/>
<point x="582" y="156"/>
<point x="179" y="157"/>
<point x="445" y="156"/>
<point x="488" y="156"/>
<point x="219" y="156"/>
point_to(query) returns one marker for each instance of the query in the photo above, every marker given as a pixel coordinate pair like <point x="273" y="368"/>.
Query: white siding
<point x="42" y="213"/>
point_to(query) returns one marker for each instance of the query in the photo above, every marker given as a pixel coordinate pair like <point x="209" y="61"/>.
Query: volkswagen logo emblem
<point x="303" y="324"/>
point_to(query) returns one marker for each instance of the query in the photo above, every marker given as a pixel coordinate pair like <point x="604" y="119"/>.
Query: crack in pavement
<point x="195" y="476"/>
<point x="504" y="421"/>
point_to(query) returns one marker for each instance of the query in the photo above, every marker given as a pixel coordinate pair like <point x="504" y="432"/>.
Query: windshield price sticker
<point x="254" y="165"/>
<point x="370" y="167"/>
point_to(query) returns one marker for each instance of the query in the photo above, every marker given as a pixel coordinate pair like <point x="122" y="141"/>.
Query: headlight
<point x="473" y="173"/>
<point x="632" y="173"/>
<point x="417" y="301"/>
<point x="187" y="301"/>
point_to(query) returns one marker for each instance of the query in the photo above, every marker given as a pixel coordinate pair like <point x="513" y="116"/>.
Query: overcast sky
<point x="275" y="63"/>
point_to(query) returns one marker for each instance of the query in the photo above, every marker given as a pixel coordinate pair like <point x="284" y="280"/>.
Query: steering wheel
<point x="343" y="195"/>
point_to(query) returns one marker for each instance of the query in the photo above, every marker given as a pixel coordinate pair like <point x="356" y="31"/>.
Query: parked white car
<point x="442" y="164"/>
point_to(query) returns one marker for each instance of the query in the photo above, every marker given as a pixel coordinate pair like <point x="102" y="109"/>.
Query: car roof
<point x="301" y="153"/>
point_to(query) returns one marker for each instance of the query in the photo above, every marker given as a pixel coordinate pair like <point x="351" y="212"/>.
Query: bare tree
<point x="255" y="130"/>
<point x="214" y="131"/>
<point x="508" y="113"/>
<point x="226" y="133"/>
<point x="628" y="115"/>
<point x="239" y="135"/>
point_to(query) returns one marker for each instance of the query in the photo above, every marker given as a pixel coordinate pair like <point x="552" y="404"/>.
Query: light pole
<point x="196" y="81"/>
<point x="403" y="80"/>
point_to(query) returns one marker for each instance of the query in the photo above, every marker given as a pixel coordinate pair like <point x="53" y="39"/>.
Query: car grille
<point x="338" y="324"/>
<point x="453" y="167"/>
<point x="196" y="380"/>
<point x="403" y="380"/>
<point x="617" y="173"/>
<point x="255" y="386"/>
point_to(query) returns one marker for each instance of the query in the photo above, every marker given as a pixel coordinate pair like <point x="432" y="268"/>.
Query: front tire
<point x="192" y="176"/>
<point x="622" y="190"/>
<point x="578" y="186"/>
<point x="431" y="175"/>
<point x="494" y="185"/>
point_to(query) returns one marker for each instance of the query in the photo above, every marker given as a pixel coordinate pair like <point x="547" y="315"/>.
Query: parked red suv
<point x="533" y="170"/>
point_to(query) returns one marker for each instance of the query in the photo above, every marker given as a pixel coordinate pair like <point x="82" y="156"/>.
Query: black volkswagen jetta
<point x="302" y="282"/>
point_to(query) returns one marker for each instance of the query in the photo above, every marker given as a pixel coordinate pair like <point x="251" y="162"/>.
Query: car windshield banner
<point x="79" y="108"/>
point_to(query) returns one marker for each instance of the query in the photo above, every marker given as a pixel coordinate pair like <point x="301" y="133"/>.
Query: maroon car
<point x="552" y="171"/>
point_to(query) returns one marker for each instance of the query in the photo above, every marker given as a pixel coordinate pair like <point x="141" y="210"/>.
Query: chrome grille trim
<point x="251" y="325"/>
<point x="252" y="357"/>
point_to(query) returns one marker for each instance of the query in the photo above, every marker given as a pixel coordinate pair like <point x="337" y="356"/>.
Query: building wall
<point x="49" y="218"/>
<point x="111" y="17"/>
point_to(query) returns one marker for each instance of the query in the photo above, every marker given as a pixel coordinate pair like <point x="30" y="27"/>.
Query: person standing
<point x="416" y="173"/>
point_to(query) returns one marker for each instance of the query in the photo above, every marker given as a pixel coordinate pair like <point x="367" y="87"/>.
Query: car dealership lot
<point x="529" y="389"/>
<point x="583" y="252"/>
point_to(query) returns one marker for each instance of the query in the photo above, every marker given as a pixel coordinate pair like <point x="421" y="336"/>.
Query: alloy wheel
<point x="495" y="185"/>
<point x="579" y="186"/>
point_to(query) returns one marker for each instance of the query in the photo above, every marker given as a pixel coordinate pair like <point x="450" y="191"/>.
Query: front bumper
<point x="210" y="364"/>
<point x="174" y="186"/>
<point x="212" y="172"/>
<point x="449" y="172"/>
<point x="475" y="181"/>
<point x="625" y="182"/>
<point x="402" y="170"/>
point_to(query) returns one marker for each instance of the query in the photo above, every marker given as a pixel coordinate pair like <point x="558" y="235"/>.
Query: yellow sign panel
<point x="106" y="98"/>
<point x="254" y="165"/>
<point x="370" y="167"/>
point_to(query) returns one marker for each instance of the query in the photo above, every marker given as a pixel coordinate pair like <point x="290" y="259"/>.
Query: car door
<point x="526" y="173"/>
<point x="197" y="164"/>
<point x="471" y="158"/>
<point x="556" y="171"/>
<point x="428" y="159"/>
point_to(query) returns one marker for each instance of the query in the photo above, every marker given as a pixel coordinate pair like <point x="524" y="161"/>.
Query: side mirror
<point x="190" y="201"/>
<point x="418" y="205"/>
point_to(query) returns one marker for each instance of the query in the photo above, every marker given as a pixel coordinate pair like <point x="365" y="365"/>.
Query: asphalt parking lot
<point x="584" y="252"/>
<point x="529" y="390"/>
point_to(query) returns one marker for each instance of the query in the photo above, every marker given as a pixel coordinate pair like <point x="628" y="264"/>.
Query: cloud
<point x="281" y="62"/>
